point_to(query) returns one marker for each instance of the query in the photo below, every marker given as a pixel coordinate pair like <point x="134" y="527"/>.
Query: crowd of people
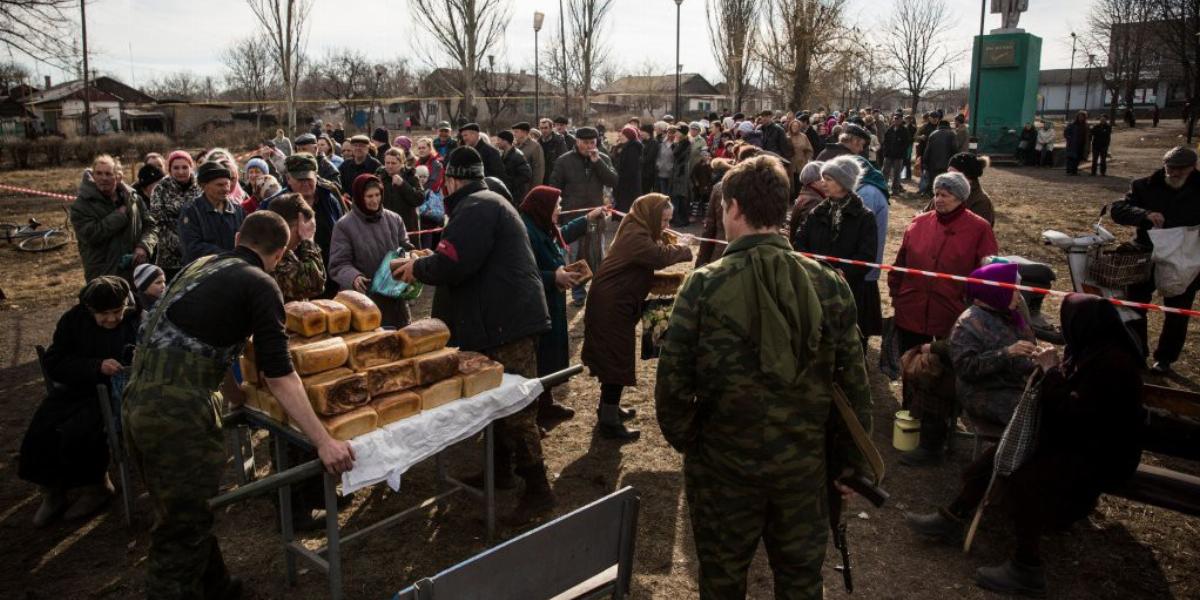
<point x="203" y="251"/>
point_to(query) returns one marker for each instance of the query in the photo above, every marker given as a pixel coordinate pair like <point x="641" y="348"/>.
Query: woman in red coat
<point x="948" y="239"/>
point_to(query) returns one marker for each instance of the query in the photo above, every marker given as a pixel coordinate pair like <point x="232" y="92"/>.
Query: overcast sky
<point x="140" y="40"/>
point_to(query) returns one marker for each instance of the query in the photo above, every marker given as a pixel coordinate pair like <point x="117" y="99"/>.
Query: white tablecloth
<point x="386" y="453"/>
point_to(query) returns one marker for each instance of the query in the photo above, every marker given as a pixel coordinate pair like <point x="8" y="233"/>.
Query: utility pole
<point x="87" y="95"/>
<point x="1070" y="77"/>
<point x="562" y="35"/>
<point x="678" y="67"/>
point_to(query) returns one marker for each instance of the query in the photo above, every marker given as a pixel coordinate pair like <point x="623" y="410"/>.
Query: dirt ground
<point x="1123" y="550"/>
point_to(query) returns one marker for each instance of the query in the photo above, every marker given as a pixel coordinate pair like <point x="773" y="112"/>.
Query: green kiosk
<point x="1004" y="81"/>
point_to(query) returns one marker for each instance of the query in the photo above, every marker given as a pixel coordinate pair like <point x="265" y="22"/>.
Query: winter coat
<point x="615" y="300"/>
<point x="808" y="199"/>
<point x="664" y="163"/>
<point x="358" y="248"/>
<point x="681" y="170"/>
<point x="517" y="174"/>
<point x="436" y="171"/>
<point x="629" y="175"/>
<point x="489" y="289"/>
<point x="988" y="381"/>
<point x="1101" y="135"/>
<point x="649" y="164"/>
<point x="978" y="202"/>
<point x="445" y="147"/>
<point x="1179" y="208"/>
<point x="873" y="189"/>
<point x="1076" y="136"/>
<point x="536" y="159"/>
<point x="204" y="230"/>
<point x="166" y="205"/>
<point x="941" y="146"/>
<point x="553" y="346"/>
<point x="493" y="165"/>
<point x="582" y="181"/>
<point x="802" y="152"/>
<point x="963" y="138"/>
<point x="773" y="137"/>
<point x="855" y="239"/>
<point x="814" y="139"/>
<point x="896" y="142"/>
<point x="105" y="235"/>
<point x="403" y="199"/>
<point x="714" y="228"/>
<point x="1046" y="138"/>
<point x="929" y="305"/>
<point x="351" y="170"/>
<point x="553" y="147"/>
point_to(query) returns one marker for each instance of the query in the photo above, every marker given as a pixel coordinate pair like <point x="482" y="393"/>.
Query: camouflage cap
<point x="301" y="165"/>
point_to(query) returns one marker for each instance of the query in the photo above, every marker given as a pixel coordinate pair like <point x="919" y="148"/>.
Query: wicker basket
<point x="1127" y="265"/>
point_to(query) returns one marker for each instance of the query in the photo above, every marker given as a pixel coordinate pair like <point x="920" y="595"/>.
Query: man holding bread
<point x="755" y="345"/>
<point x="171" y="406"/>
<point x="489" y="292"/>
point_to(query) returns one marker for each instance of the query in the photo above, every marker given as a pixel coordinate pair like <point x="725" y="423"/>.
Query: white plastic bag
<point x="1176" y="258"/>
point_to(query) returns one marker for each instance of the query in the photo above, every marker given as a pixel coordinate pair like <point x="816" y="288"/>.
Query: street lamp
<point x="1087" y="90"/>
<point x="1070" y="77"/>
<point x="538" y="17"/>
<point x="678" y="67"/>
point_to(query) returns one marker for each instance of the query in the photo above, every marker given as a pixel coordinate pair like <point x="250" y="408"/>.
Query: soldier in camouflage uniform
<point x="301" y="272"/>
<point x="754" y="346"/>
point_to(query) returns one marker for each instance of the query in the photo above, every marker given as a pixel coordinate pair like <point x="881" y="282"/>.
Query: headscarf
<point x="1091" y="326"/>
<point x="630" y="132"/>
<point x="358" y="190"/>
<point x="646" y="213"/>
<point x="997" y="298"/>
<point x="104" y="293"/>
<point x="539" y="204"/>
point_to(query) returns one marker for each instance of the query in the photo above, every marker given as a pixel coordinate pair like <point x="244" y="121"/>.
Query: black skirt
<point x="65" y="445"/>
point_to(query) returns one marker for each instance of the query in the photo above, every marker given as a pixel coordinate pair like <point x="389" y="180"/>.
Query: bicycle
<point x="31" y="238"/>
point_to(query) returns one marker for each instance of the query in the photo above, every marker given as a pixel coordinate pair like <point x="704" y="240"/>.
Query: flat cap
<point x="301" y="165"/>
<point x="360" y="139"/>
<point x="469" y="127"/>
<point x="443" y="125"/>
<point x="1180" y="156"/>
<point x="586" y="133"/>
<point x="305" y="139"/>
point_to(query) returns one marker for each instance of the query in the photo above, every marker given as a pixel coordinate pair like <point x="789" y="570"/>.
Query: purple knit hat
<point x="998" y="298"/>
<point x="403" y="141"/>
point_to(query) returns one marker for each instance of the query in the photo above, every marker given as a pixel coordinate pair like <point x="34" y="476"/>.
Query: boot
<point x="536" y="500"/>
<point x="54" y="502"/>
<point x="612" y="427"/>
<point x="626" y="413"/>
<point x="1013" y="577"/>
<point x="92" y="500"/>
<point x="940" y="525"/>
<point x="504" y="473"/>
<point x="551" y="412"/>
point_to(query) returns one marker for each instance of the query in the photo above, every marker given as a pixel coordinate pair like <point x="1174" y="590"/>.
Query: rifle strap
<point x="862" y="439"/>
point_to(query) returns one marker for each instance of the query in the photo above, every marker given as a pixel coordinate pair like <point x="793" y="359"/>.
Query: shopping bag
<point x="385" y="285"/>
<point x="656" y="312"/>
<point x="1176" y="258"/>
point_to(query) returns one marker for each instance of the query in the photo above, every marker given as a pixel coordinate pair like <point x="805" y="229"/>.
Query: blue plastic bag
<point x="385" y="285"/>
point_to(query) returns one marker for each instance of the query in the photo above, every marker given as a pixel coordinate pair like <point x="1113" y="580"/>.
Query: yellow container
<point x="906" y="432"/>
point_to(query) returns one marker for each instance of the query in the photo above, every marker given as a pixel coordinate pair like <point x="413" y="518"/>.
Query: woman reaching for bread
<point x="361" y="240"/>
<point x="615" y="304"/>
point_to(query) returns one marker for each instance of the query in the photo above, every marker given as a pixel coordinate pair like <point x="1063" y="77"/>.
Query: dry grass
<point x="1124" y="550"/>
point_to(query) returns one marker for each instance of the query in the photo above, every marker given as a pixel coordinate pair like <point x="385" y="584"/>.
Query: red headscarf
<point x="539" y="204"/>
<point x="358" y="191"/>
<point x="630" y="132"/>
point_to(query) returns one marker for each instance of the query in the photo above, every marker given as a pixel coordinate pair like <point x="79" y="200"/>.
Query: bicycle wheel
<point x="51" y="240"/>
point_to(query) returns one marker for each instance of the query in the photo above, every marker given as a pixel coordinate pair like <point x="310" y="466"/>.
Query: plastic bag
<point x="1176" y="259"/>
<point x="385" y="285"/>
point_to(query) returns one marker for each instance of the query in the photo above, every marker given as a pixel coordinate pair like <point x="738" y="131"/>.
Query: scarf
<point x="1091" y="327"/>
<point x="646" y="213"/>
<point x="836" y="206"/>
<point x="358" y="191"/>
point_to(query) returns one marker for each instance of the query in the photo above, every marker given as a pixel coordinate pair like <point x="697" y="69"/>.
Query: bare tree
<point x="557" y="68"/>
<point x="500" y="91"/>
<point x="651" y="89"/>
<point x="586" y="20"/>
<point x="463" y="32"/>
<point x="1181" y="26"/>
<point x="40" y="30"/>
<point x="917" y="47"/>
<point x="12" y="74"/>
<point x="797" y="35"/>
<point x="344" y="76"/>
<point x="181" y="85"/>
<point x="1119" y="30"/>
<point x="284" y="23"/>
<point x="733" y="29"/>
<point x="250" y="76"/>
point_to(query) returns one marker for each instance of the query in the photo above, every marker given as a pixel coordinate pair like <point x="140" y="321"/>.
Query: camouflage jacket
<point x="301" y="274"/>
<point x="718" y="397"/>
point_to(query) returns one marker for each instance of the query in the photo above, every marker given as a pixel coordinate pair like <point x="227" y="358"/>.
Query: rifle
<point x="856" y="481"/>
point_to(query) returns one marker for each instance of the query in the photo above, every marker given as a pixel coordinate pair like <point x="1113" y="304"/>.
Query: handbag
<point x="385" y="285"/>
<point x="1176" y="259"/>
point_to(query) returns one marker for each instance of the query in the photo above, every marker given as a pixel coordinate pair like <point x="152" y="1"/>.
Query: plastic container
<point x="906" y="431"/>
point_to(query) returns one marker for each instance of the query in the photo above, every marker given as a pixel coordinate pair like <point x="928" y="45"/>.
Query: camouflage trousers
<point x="729" y="515"/>
<point x="517" y="435"/>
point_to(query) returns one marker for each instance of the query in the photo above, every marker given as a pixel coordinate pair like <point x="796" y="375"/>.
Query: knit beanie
<point x="104" y="293"/>
<point x="844" y="170"/>
<point x="969" y="164"/>
<point x="380" y="135"/>
<point x="955" y="183"/>
<point x="403" y="141"/>
<point x="144" y="275"/>
<point x="179" y="155"/>
<point x="506" y="136"/>
<point x="464" y="163"/>
<point x="630" y="132"/>
<point x="811" y="172"/>
<point x="147" y="175"/>
<point x="257" y="163"/>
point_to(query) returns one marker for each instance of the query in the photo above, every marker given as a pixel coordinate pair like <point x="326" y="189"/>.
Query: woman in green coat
<point x="540" y="210"/>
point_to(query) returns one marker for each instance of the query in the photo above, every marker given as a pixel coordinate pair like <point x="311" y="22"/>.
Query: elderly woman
<point x="362" y="240"/>
<point x="812" y="192"/>
<point x="65" y="448"/>
<point x="978" y="201"/>
<point x="402" y="193"/>
<point x="618" y="291"/>
<point x="167" y="202"/>
<point x="843" y="227"/>
<point x="948" y="239"/>
<point x="1088" y="440"/>
<point x="540" y="211"/>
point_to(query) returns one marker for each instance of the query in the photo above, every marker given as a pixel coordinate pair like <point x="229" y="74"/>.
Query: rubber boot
<point x="626" y="413"/>
<point x="932" y="448"/>
<point x="940" y="525"/>
<point x="504" y="473"/>
<point x="1013" y="577"/>
<point x="92" y="500"/>
<point x="551" y="412"/>
<point x="536" y="500"/>
<point x="612" y="427"/>
<point x="54" y="502"/>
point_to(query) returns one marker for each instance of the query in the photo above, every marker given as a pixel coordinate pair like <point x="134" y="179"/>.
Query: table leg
<point x="489" y="481"/>
<point x="333" y="552"/>
<point x="285" y="508"/>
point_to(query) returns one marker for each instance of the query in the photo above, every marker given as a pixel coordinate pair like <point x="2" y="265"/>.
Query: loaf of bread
<point x="580" y="268"/>
<point x="392" y="377"/>
<point x="337" y="316"/>
<point x="666" y="283"/>
<point x="364" y="315"/>
<point x="296" y="340"/>
<point x="376" y="349"/>
<point x="269" y="405"/>
<point x="393" y="407"/>
<point x="436" y="366"/>
<point x="304" y="318"/>
<point x="433" y="396"/>
<point x="351" y="424"/>
<point x="320" y="356"/>
<point x="335" y="392"/>
<point x="478" y="373"/>
<point x="250" y="395"/>
<point x="426" y="335"/>
<point x="249" y="369"/>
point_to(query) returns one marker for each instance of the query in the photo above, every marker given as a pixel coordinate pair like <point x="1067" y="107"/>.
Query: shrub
<point x="236" y="138"/>
<point x="19" y="152"/>
<point x="51" y="148"/>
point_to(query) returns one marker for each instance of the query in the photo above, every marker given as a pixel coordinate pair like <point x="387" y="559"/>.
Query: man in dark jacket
<point x="942" y="144"/>
<point x="360" y="161"/>
<point x="111" y="223"/>
<point x="210" y="224"/>
<point x="532" y="151"/>
<point x="853" y="140"/>
<point x="582" y="175"/>
<point x="1168" y="198"/>
<point x="553" y="146"/>
<point x="444" y="143"/>
<point x="307" y="142"/>
<point x="560" y="127"/>
<point x="896" y="141"/>
<point x="1101" y="138"/>
<point x="649" y="157"/>
<point x="517" y="172"/>
<point x="493" y="165"/>
<point x="489" y="291"/>
<point x="814" y="138"/>
<point x="773" y="135"/>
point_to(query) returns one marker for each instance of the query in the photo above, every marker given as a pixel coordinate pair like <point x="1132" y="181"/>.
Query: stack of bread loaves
<point x="358" y="376"/>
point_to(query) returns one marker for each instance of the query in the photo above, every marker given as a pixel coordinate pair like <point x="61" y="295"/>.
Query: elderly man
<point x="553" y="146"/>
<point x="114" y="227"/>
<point x="517" y="173"/>
<point x="532" y="151"/>
<point x="307" y="142"/>
<point x="444" y="143"/>
<point x="1170" y="197"/>
<point x="493" y="165"/>
<point x="582" y="175"/>
<point x="360" y="161"/>
<point x="560" y="127"/>
<point x="209" y="224"/>
<point x="854" y="139"/>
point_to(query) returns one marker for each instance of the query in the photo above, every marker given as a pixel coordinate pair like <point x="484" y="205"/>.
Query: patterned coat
<point x="166" y="204"/>
<point x="301" y="272"/>
<point x="989" y="382"/>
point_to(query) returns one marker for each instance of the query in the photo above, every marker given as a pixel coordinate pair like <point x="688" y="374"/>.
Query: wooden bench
<point x="1172" y="429"/>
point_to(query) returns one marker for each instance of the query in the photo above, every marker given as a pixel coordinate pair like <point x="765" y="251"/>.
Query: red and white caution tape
<point x="13" y="188"/>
